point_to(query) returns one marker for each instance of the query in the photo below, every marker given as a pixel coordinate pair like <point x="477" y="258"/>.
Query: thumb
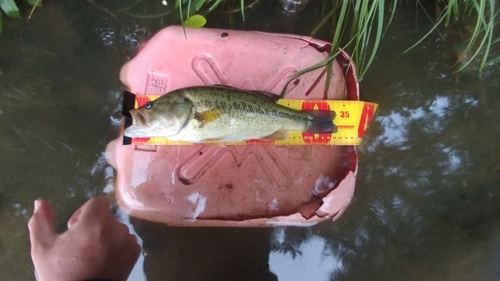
<point x="94" y="210"/>
<point x="41" y="224"/>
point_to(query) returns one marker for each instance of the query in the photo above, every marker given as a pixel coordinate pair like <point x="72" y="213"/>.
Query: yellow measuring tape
<point x="352" y="120"/>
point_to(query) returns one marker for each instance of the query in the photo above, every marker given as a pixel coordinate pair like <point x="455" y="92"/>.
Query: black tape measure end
<point x="128" y="103"/>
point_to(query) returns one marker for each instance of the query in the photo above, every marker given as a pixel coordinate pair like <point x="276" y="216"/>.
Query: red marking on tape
<point x="140" y="140"/>
<point x="142" y="100"/>
<point x="259" y="142"/>
<point x="311" y="138"/>
<point x="347" y="127"/>
<point x="366" y="118"/>
<point x="320" y="105"/>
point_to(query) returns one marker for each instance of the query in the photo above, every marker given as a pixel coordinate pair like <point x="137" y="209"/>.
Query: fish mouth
<point x="138" y="118"/>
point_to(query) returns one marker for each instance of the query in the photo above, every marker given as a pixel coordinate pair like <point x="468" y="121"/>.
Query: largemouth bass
<point x="213" y="114"/>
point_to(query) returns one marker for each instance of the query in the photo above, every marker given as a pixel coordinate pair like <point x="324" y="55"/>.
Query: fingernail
<point x="37" y="205"/>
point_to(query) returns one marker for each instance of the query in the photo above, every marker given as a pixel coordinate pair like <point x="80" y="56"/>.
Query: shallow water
<point x="427" y="199"/>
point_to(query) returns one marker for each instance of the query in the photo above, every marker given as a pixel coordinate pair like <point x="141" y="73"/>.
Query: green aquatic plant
<point x="190" y="13"/>
<point x="193" y="19"/>
<point x="10" y="8"/>
<point x="358" y="26"/>
<point x="480" y="35"/>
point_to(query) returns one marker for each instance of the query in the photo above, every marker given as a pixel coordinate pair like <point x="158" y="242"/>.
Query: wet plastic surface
<point x="253" y="185"/>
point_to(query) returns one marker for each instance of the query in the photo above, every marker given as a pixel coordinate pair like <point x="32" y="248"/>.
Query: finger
<point x="136" y="248"/>
<point x="93" y="209"/>
<point x="75" y="217"/>
<point x="41" y="224"/>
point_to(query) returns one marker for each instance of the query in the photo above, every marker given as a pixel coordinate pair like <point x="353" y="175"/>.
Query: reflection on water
<point x="177" y="253"/>
<point x="427" y="197"/>
<point x="312" y="259"/>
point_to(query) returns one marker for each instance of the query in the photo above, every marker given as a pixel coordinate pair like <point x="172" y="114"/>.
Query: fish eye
<point x="148" y="105"/>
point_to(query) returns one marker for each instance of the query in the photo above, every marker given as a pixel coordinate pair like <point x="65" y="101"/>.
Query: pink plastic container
<point x="253" y="185"/>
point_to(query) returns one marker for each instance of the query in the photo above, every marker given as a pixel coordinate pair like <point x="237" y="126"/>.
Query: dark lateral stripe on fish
<point x="285" y="115"/>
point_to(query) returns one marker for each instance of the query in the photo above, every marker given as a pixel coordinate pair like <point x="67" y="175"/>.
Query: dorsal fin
<point x="266" y="95"/>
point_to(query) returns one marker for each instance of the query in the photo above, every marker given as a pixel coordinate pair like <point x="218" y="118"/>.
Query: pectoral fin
<point x="208" y="116"/>
<point x="278" y="135"/>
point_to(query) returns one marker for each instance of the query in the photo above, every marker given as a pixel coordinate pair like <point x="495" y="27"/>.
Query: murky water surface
<point x="427" y="201"/>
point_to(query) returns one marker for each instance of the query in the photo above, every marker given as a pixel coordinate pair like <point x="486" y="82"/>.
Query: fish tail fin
<point x="321" y="122"/>
<point x="321" y="126"/>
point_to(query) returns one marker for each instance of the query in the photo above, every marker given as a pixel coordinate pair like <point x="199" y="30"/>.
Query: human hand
<point x="95" y="246"/>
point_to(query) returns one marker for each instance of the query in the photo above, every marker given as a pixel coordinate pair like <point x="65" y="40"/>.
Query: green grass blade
<point x="214" y="5"/>
<point x="242" y="3"/>
<point x="426" y="35"/>
<point x="182" y="18"/>
<point x="481" y="26"/>
<point x="322" y="22"/>
<point x="320" y="64"/>
<point x="393" y="10"/>
<point x="340" y="25"/>
<point x="328" y="77"/>
<point x="378" y="36"/>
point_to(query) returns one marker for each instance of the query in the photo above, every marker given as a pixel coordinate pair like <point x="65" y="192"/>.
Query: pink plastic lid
<point x="254" y="185"/>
